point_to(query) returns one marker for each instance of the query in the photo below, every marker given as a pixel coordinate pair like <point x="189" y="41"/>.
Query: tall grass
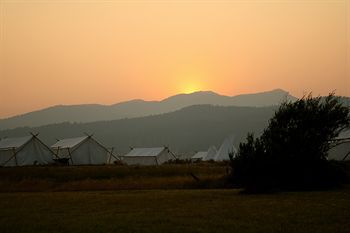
<point x="175" y="211"/>
<point x="170" y="176"/>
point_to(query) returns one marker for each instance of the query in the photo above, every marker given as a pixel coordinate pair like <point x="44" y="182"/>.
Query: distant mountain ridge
<point x="190" y="129"/>
<point x="139" y="108"/>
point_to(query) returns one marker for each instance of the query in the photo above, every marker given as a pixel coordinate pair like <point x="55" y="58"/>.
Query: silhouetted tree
<point x="292" y="151"/>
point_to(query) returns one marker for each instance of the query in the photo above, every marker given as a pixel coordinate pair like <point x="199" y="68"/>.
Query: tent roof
<point x="226" y="148"/>
<point x="211" y="153"/>
<point x="200" y="155"/>
<point x="138" y="152"/>
<point x="344" y="134"/>
<point x="8" y="143"/>
<point x="69" y="142"/>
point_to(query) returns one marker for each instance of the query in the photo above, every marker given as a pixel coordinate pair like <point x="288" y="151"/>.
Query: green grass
<point x="209" y="210"/>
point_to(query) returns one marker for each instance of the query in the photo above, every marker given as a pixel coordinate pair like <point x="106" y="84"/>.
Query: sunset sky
<point x="74" y="52"/>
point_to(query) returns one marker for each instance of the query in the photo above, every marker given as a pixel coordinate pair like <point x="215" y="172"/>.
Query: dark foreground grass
<point x="74" y="173"/>
<point x="85" y="178"/>
<point x="174" y="211"/>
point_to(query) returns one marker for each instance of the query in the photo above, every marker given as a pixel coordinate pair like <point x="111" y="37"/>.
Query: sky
<point x="82" y="51"/>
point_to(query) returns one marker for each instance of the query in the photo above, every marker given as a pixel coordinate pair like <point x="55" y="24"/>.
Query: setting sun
<point x="192" y="80"/>
<point x="190" y="88"/>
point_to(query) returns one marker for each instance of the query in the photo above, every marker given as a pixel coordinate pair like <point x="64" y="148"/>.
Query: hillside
<point x="139" y="108"/>
<point x="186" y="130"/>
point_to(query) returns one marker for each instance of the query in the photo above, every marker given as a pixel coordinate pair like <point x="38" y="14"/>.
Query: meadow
<point x="166" y="198"/>
<point x="113" y="177"/>
<point x="196" y="210"/>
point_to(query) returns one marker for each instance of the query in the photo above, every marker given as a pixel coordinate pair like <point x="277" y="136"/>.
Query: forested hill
<point x="189" y="129"/>
<point x="139" y="108"/>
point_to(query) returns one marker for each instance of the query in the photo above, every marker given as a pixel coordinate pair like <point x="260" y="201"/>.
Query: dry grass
<point x="153" y="211"/>
<point x="83" y="178"/>
<point x="157" y="199"/>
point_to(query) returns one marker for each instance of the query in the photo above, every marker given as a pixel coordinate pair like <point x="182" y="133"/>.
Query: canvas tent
<point x="199" y="156"/>
<point x="222" y="154"/>
<point x="24" y="151"/>
<point x="341" y="147"/>
<point x="148" y="156"/>
<point x="205" y="155"/>
<point x="82" y="151"/>
<point x="210" y="153"/>
<point x="225" y="149"/>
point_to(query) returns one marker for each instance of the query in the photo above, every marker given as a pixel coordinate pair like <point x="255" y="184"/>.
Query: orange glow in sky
<point x="84" y="51"/>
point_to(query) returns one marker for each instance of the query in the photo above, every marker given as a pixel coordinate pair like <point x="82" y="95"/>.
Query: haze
<point x="74" y="52"/>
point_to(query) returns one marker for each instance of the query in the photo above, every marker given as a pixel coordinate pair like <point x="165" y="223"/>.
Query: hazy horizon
<point x="149" y="101"/>
<point x="105" y="52"/>
<point x="157" y="100"/>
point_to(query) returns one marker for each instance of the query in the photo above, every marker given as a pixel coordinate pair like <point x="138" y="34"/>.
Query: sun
<point x="190" y="81"/>
<point x="190" y="89"/>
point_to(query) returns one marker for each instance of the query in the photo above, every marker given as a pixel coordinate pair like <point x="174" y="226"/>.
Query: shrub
<point x="292" y="151"/>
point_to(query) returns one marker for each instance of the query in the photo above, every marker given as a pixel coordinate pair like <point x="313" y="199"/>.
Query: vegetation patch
<point x="209" y="210"/>
<point x="84" y="178"/>
<point x="291" y="154"/>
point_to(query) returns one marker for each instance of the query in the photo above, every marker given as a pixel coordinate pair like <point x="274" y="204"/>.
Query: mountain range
<point x="186" y="122"/>
<point x="139" y="108"/>
<point x="192" y="128"/>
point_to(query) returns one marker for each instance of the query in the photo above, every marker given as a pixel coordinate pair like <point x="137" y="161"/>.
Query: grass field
<point x="183" y="211"/>
<point x="157" y="199"/>
<point x="88" y="178"/>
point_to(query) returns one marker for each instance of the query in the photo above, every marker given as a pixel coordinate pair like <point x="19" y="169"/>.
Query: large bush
<point x="292" y="151"/>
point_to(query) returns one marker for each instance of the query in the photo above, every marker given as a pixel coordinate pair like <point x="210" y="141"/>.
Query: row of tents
<point x="30" y="150"/>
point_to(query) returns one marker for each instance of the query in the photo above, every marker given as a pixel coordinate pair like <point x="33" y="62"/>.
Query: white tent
<point x="205" y="155"/>
<point x="225" y="149"/>
<point x="211" y="153"/>
<point x="148" y="156"/>
<point x="341" y="149"/>
<point x="24" y="151"/>
<point x="82" y="151"/>
<point x="199" y="156"/>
